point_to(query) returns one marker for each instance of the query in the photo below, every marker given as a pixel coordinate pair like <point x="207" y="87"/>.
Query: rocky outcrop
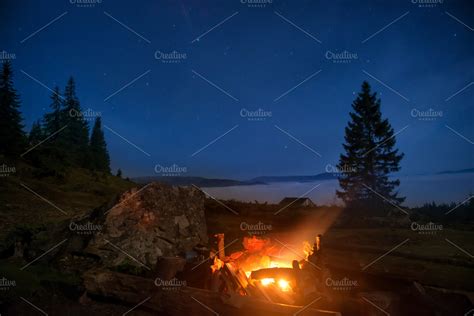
<point x="146" y="224"/>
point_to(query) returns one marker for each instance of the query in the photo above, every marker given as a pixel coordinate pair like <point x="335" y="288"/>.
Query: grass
<point x="35" y="279"/>
<point x="430" y="259"/>
<point x="30" y="201"/>
<point x="30" y="205"/>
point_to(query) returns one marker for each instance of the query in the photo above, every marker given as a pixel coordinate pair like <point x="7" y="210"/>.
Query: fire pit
<point x="264" y="271"/>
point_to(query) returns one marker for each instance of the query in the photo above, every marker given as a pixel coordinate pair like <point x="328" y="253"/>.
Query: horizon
<point x="439" y="172"/>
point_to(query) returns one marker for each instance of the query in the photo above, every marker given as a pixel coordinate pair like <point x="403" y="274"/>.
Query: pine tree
<point x="76" y="134"/>
<point x="12" y="136"/>
<point x="52" y="155"/>
<point x="99" y="157"/>
<point x="36" y="134"/>
<point x="119" y="173"/>
<point x="54" y="121"/>
<point x="369" y="157"/>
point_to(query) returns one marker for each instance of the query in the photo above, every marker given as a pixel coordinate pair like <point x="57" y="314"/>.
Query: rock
<point x="148" y="223"/>
<point x="84" y="299"/>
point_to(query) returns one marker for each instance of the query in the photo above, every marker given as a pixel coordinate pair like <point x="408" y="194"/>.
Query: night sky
<point x="418" y="57"/>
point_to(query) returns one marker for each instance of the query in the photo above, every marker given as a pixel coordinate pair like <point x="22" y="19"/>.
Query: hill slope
<point x="27" y="200"/>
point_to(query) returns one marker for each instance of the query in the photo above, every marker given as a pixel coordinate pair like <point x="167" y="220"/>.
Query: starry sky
<point x="175" y="81"/>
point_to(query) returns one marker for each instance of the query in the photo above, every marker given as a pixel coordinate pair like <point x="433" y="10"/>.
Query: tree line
<point x="59" y="140"/>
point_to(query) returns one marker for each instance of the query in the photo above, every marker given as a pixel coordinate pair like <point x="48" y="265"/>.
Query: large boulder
<point x="151" y="222"/>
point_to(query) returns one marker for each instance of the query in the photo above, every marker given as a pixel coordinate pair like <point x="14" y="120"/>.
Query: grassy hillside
<point x="28" y="200"/>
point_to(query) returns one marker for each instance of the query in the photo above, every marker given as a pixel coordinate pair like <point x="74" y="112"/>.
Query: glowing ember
<point x="267" y="281"/>
<point x="262" y="253"/>
<point x="284" y="285"/>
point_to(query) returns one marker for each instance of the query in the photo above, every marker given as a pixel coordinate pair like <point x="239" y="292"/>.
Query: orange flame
<point x="267" y="281"/>
<point x="307" y="249"/>
<point x="261" y="253"/>
<point x="218" y="264"/>
<point x="283" y="284"/>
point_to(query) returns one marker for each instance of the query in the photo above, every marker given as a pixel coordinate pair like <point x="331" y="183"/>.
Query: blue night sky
<point x="416" y="63"/>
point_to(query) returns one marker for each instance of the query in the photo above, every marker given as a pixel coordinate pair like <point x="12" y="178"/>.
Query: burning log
<point x="285" y="273"/>
<point x="220" y="246"/>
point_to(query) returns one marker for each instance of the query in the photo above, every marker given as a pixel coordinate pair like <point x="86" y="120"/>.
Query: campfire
<point x="266" y="268"/>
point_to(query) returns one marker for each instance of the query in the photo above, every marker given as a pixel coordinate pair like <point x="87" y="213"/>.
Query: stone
<point x="157" y="220"/>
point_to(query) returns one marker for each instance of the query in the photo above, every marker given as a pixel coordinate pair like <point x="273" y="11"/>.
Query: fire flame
<point x="283" y="284"/>
<point x="267" y="281"/>
<point x="307" y="249"/>
<point x="262" y="253"/>
<point x="218" y="264"/>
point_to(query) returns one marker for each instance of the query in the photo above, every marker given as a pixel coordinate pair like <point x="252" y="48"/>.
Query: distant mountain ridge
<point x="197" y="181"/>
<point x="311" y="178"/>
<point x="262" y="180"/>
<point x="468" y="170"/>
<point x="209" y="182"/>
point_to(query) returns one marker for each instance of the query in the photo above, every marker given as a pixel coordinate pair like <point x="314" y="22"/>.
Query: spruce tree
<point x="36" y="134"/>
<point x="52" y="156"/>
<point x="55" y="120"/>
<point x="99" y="157"/>
<point x="369" y="158"/>
<point x="76" y="134"/>
<point x="12" y="136"/>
